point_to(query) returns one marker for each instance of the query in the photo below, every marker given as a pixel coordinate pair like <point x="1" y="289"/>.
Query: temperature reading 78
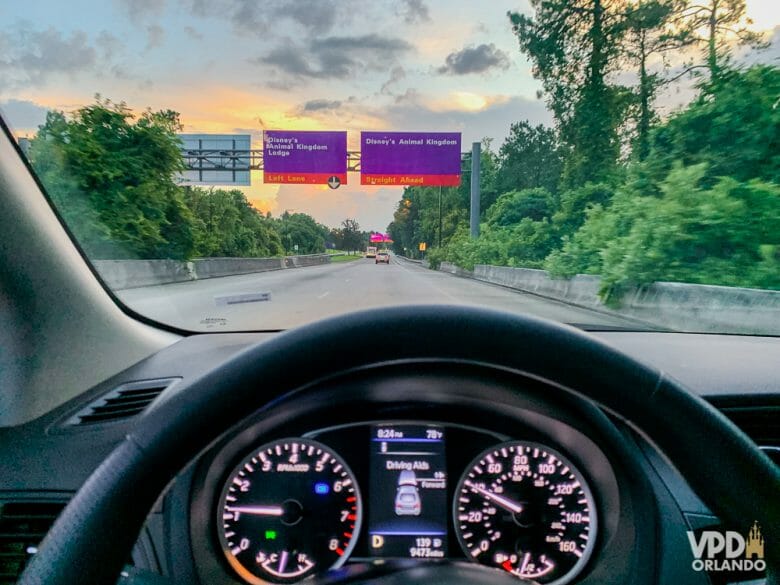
<point x="434" y="434"/>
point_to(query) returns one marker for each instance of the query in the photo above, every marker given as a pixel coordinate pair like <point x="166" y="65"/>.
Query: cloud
<point x="109" y="45"/>
<point x="319" y="105"/>
<point x="193" y="33"/>
<point x="414" y="112"/>
<point x="396" y="74"/>
<point x="30" y="57"/>
<point x="472" y="59"/>
<point x="155" y="35"/>
<point x="314" y="15"/>
<point x="336" y="57"/>
<point x="138" y="10"/>
<point x="371" y="43"/>
<point x="415" y="11"/>
<point x="249" y="16"/>
<point x="23" y="114"/>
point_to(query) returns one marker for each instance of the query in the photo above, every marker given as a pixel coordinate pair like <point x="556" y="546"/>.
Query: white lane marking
<point x="323" y="295"/>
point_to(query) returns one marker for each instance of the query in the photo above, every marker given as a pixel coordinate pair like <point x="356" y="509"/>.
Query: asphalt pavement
<point x="283" y="299"/>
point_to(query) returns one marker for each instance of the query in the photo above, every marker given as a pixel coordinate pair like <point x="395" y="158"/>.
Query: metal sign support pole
<point x="475" y="160"/>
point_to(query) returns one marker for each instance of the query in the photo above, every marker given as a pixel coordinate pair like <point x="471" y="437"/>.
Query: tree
<point x="733" y="126"/>
<point x="300" y="229"/>
<point x="719" y="25"/>
<point x="530" y="157"/>
<point x="111" y="175"/>
<point x="511" y="208"/>
<point x="726" y="234"/>
<point x="350" y="237"/>
<point x="226" y="225"/>
<point x="574" y="45"/>
<point x="654" y="28"/>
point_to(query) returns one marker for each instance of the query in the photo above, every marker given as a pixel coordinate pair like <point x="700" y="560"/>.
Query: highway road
<point x="297" y="296"/>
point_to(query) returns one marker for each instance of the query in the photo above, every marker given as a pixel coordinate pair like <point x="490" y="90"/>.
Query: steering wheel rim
<point x="93" y="537"/>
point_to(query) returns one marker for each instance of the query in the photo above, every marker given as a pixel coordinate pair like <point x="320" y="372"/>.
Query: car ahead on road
<point x="371" y="252"/>
<point x="382" y="256"/>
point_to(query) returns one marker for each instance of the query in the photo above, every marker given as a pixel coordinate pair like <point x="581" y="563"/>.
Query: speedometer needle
<point x="502" y="501"/>
<point x="257" y="510"/>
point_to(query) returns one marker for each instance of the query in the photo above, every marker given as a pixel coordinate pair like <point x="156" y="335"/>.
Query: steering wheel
<point x="92" y="538"/>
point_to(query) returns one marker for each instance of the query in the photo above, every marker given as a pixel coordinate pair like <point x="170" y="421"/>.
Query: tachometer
<point x="289" y="510"/>
<point x="523" y="508"/>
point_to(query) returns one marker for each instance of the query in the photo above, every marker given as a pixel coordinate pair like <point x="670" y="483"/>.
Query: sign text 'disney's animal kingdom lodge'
<point x="304" y="157"/>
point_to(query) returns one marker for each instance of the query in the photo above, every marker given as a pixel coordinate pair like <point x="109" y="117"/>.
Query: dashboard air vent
<point x="121" y="403"/>
<point x="758" y="421"/>
<point x="22" y="527"/>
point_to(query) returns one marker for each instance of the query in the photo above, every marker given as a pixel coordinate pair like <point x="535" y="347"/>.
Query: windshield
<point x="229" y="166"/>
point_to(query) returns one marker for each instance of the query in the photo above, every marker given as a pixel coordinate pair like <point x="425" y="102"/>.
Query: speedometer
<point x="523" y="508"/>
<point x="289" y="510"/>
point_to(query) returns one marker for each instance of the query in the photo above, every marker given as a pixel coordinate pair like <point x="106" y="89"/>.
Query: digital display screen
<point x="408" y="479"/>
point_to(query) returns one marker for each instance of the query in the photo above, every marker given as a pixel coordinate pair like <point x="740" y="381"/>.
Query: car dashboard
<point x="431" y="462"/>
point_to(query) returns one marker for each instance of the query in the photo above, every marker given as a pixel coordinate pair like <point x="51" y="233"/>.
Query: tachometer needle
<point x="257" y="510"/>
<point x="502" y="501"/>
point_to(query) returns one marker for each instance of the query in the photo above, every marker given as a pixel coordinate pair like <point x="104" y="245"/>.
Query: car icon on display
<point x="407" y="498"/>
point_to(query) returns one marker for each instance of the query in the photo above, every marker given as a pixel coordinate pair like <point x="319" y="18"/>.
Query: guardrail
<point x="672" y="305"/>
<point x="123" y="274"/>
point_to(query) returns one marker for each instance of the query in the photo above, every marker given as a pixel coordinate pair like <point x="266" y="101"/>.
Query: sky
<point x="242" y="66"/>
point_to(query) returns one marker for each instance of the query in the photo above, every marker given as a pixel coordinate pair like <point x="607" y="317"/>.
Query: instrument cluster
<point x="293" y="507"/>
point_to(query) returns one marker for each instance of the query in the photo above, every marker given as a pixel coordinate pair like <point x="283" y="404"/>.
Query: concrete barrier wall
<point x="120" y="274"/>
<point x="216" y="267"/>
<point x="672" y="305"/>
<point x="123" y="274"/>
<point x="456" y="270"/>
<point x="583" y="289"/>
<point x="721" y="308"/>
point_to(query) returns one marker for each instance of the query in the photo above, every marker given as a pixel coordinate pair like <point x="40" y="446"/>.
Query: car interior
<point x="123" y="442"/>
<point x="565" y="372"/>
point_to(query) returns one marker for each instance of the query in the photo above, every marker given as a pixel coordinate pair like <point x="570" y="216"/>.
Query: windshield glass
<point x="232" y="166"/>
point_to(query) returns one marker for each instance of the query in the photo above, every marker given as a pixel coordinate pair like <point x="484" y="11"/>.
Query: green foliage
<point x="733" y="126"/>
<point x="703" y="207"/>
<point x="349" y="237"/>
<point x="112" y="178"/>
<point x="574" y="45"/>
<point x="718" y="26"/>
<point x="574" y="203"/>
<point x="726" y="234"/>
<point x="530" y="157"/>
<point x="416" y="218"/>
<point x="513" y="207"/>
<point x="226" y="225"/>
<point x="302" y="230"/>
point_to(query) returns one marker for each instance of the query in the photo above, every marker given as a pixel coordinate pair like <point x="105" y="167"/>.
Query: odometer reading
<point x="289" y="510"/>
<point x="521" y="507"/>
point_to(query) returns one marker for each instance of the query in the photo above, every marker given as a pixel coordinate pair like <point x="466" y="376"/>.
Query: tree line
<point x="612" y="188"/>
<point x="112" y="177"/>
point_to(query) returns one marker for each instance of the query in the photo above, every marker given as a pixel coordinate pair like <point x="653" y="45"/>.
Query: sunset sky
<point x="241" y="66"/>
